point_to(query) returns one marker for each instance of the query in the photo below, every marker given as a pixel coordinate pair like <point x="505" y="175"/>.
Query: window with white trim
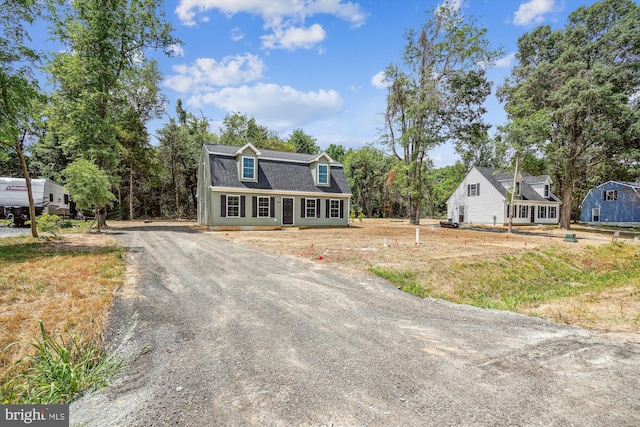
<point x="546" y="191"/>
<point x="248" y="168"/>
<point x="263" y="207"/>
<point x="311" y="208"/>
<point x="323" y="174"/>
<point x="611" y="195"/>
<point x="233" y="206"/>
<point x="334" y="209"/>
<point x="474" y="189"/>
<point x="524" y="211"/>
<point x="552" y="212"/>
<point x="542" y="212"/>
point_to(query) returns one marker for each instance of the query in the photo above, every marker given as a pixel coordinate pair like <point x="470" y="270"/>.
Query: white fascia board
<point x="278" y="192"/>
<point x="244" y="147"/>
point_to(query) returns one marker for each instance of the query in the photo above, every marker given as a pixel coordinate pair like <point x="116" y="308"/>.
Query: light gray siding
<point x="215" y="217"/>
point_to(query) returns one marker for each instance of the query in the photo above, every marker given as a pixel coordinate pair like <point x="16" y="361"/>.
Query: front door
<point x="461" y="214"/>
<point x="533" y="214"/>
<point x="287" y="211"/>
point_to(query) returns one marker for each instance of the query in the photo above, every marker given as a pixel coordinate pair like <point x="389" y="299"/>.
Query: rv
<point x="48" y="197"/>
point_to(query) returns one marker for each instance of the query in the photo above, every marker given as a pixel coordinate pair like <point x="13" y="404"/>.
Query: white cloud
<point x="285" y="18"/>
<point x="379" y="81"/>
<point x="277" y="107"/>
<point x="207" y="72"/>
<point x="532" y="11"/>
<point x="273" y="9"/>
<point x="292" y="38"/>
<point x="506" y="61"/>
<point x="176" y="50"/>
<point x="236" y="34"/>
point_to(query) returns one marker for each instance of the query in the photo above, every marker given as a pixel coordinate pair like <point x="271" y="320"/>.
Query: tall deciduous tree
<point x="143" y="102"/>
<point x="180" y="145"/>
<point x="88" y="185"/>
<point x="575" y="92"/>
<point x="239" y="129"/>
<point x="104" y="39"/>
<point x="438" y="96"/>
<point x="303" y="142"/>
<point x="18" y="88"/>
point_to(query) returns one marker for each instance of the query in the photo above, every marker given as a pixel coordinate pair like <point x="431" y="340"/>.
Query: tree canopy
<point x="437" y="96"/>
<point x="574" y="93"/>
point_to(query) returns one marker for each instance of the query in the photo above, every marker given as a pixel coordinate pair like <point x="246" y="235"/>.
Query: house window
<point x="323" y="174"/>
<point x="595" y="214"/>
<point x="542" y="212"/>
<point x="473" y="189"/>
<point x="311" y="208"/>
<point x="524" y="211"/>
<point x="66" y="199"/>
<point x="335" y="209"/>
<point x="546" y="191"/>
<point x="611" y="195"/>
<point x="552" y="212"/>
<point x="51" y="197"/>
<point x="248" y="168"/>
<point x="263" y="207"/>
<point x="233" y="206"/>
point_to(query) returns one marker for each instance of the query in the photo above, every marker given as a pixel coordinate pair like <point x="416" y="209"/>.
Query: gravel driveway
<point x="222" y="334"/>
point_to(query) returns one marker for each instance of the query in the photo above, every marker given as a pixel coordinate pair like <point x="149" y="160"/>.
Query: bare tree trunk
<point x="131" y="190"/>
<point x="565" y="211"/>
<point x="25" y="172"/>
<point x="513" y="195"/>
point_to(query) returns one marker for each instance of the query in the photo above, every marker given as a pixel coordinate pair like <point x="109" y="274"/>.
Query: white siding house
<point x="482" y="198"/>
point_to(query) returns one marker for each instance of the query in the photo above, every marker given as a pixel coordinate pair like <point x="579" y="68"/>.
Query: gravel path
<point x="14" y="231"/>
<point x="221" y="334"/>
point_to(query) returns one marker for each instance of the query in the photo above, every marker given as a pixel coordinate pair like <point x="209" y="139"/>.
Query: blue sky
<point x="316" y="64"/>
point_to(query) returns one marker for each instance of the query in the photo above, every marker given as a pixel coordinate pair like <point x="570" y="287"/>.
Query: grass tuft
<point x="58" y="371"/>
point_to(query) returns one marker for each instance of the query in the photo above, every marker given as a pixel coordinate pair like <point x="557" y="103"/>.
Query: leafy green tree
<point x="19" y="91"/>
<point x="437" y="97"/>
<point x="104" y="40"/>
<point x="88" y="186"/>
<point x="443" y="182"/>
<point x="303" y="143"/>
<point x="238" y="129"/>
<point x="367" y="170"/>
<point x="336" y="152"/>
<point x="144" y="101"/>
<point x="574" y="93"/>
<point x="180" y="145"/>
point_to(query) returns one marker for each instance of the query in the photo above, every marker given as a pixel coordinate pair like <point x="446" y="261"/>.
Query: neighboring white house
<point x="483" y="195"/>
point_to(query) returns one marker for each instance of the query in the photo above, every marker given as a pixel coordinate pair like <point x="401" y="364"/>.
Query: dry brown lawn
<point x="70" y="287"/>
<point x="391" y="244"/>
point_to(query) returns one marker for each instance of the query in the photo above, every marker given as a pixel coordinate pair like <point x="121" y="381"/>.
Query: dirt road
<point x="222" y="334"/>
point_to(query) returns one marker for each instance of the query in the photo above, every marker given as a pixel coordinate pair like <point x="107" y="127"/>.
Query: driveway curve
<point x="221" y="334"/>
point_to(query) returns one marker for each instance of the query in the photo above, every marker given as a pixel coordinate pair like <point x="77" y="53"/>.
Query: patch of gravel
<point x="14" y="231"/>
<point x="216" y="333"/>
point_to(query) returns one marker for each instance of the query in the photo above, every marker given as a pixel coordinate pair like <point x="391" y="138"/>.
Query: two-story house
<point x="484" y="194"/>
<point x="252" y="189"/>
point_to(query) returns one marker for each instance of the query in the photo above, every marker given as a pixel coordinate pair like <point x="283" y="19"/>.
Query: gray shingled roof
<point x="289" y="173"/>
<point x="526" y="191"/>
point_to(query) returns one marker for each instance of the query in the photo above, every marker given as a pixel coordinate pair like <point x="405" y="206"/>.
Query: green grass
<point x="513" y="282"/>
<point x="403" y="279"/>
<point x="58" y="371"/>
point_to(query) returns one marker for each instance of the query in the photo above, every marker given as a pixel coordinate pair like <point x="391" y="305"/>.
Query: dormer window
<point x="248" y="168"/>
<point x="546" y="191"/>
<point x="323" y="174"/>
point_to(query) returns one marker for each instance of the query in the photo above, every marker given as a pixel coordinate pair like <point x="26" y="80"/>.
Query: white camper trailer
<point x="48" y="197"/>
